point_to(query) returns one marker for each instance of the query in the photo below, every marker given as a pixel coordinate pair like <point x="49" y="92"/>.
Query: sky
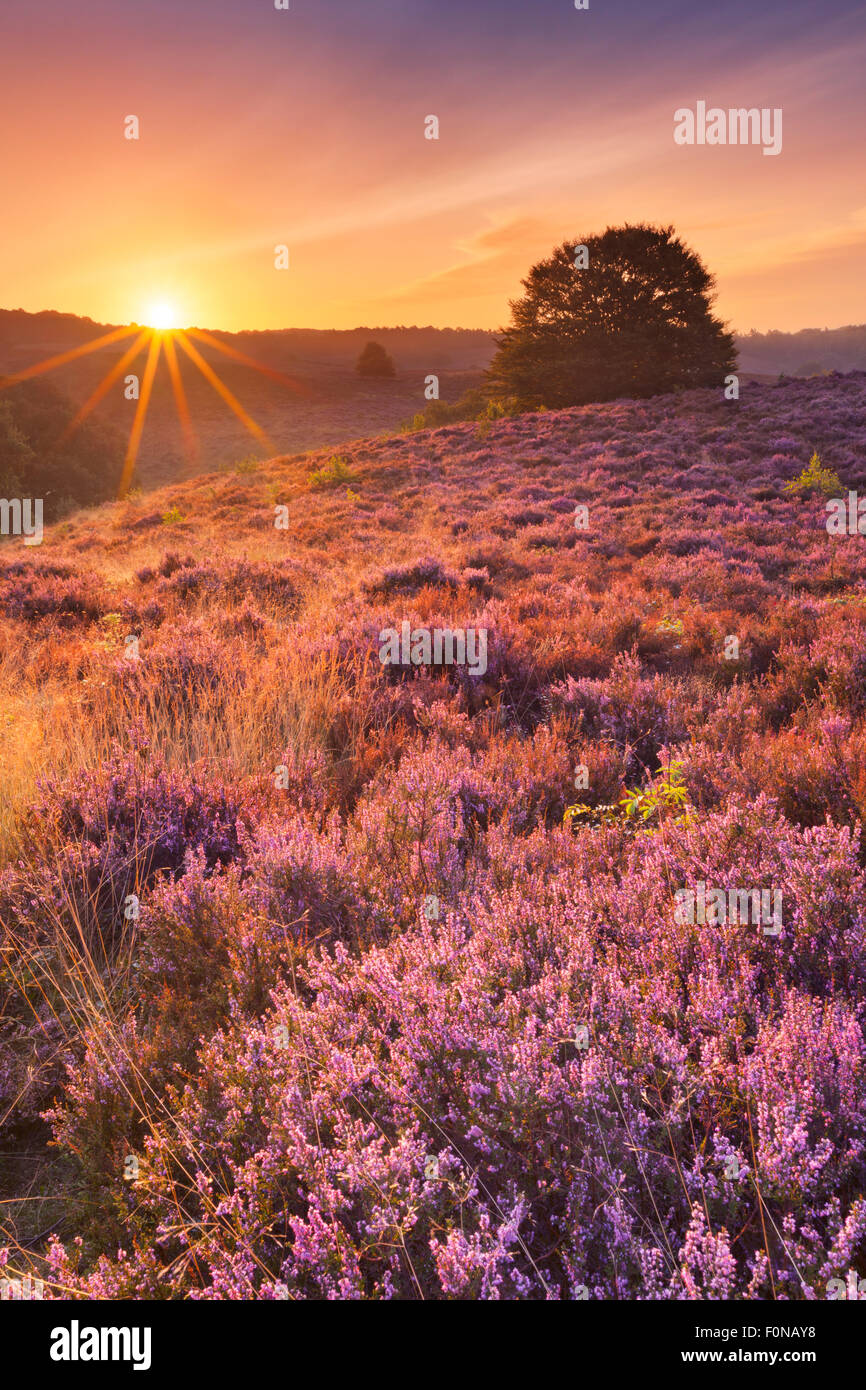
<point x="305" y="128"/>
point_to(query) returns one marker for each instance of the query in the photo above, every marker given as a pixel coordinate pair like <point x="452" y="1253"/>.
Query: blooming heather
<point x="316" y="986"/>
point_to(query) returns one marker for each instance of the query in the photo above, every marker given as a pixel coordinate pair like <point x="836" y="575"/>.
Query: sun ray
<point x="51" y="362"/>
<point x="189" y="435"/>
<point x="156" y="338"/>
<point x="141" y="412"/>
<point x="292" y="382"/>
<point x="105" y="385"/>
<point x="231" y="401"/>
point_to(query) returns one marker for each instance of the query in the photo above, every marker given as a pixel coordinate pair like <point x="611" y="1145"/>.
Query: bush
<point x="331" y="474"/>
<point x="475" y="404"/>
<point x="815" y="478"/>
<point x="375" y="361"/>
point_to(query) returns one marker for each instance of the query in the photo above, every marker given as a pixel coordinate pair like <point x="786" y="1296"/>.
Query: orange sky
<point x="306" y="128"/>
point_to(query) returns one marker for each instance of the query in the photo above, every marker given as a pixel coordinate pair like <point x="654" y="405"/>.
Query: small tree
<point x="816" y="478"/>
<point x="626" y="313"/>
<point x="375" y="361"/>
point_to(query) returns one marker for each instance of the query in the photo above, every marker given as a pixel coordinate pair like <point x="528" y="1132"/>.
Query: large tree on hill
<point x="627" y="313"/>
<point x="375" y="361"/>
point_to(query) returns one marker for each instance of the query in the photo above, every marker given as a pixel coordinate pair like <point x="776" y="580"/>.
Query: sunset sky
<point x="261" y="127"/>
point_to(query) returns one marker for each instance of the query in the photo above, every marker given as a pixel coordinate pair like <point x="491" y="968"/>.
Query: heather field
<point x="322" y="977"/>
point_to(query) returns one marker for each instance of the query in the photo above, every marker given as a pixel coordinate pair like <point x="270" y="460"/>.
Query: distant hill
<point x="27" y="336"/>
<point x="327" y="405"/>
<point x="807" y="353"/>
<point x="24" y="337"/>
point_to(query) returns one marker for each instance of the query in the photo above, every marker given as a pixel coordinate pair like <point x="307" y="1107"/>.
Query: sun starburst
<point x="158" y="337"/>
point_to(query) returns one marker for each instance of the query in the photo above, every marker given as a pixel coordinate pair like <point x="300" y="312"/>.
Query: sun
<point x="160" y="338"/>
<point x="161" y="316"/>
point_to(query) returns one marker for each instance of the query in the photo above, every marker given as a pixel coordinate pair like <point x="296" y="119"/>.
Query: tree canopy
<point x="626" y="313"/>
<point x="38" y="459"/>
<point x="375" y="361"/>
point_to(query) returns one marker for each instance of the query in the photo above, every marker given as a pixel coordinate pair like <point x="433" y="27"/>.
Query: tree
<point x="627" y="313"/>
<point x="37" y="459"/>
<point x="16" y="455"/>
<point x="375" y="361"/>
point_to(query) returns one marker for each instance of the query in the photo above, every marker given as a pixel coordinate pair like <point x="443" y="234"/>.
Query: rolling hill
<point x="328" y="403"/>
<point x="371" y="979"/>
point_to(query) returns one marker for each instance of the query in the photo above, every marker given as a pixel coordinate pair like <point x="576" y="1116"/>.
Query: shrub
<point x="332" y="473"/>
<point x="815" y="478"/>
<point x="375" y="361"/>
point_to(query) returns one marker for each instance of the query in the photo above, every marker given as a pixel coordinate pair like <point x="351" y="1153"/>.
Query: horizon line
<point x="394" y="327"/>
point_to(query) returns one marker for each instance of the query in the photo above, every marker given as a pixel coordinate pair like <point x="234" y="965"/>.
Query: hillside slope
<point x="328" y="402"/>
<point x="310" y="977"/>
